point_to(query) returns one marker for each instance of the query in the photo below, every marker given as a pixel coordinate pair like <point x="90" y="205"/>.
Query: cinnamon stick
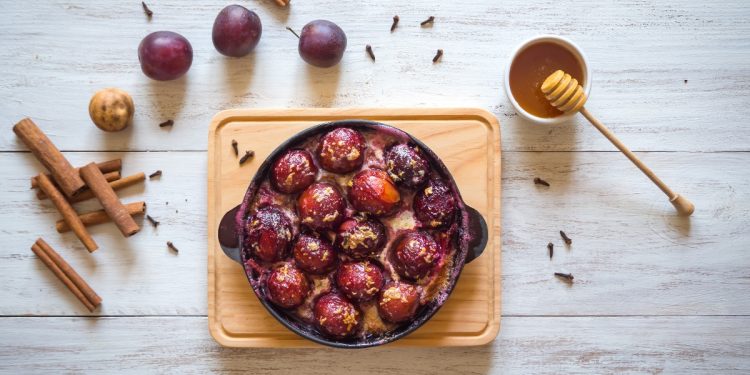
<point x="111" y="176"/>
<point x="99" y="217"/>
<point x="45" y="151"/>
<point x="114" y="165"/>
<point x="115" y="185"/>
<point x="66" y="274"/>
<point x="109" y="200"/>
<point x="69" y="214"/>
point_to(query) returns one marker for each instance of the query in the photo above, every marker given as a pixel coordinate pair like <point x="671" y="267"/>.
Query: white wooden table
<point x="653" y="292"/>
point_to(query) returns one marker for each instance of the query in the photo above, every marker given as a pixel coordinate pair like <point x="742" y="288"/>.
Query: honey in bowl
<point x="529" y="69"/>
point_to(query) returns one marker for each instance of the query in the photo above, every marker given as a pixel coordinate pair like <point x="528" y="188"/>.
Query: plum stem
<point x="293" y="32"/>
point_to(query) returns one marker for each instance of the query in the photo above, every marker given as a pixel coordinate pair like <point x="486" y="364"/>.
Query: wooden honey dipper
<point x="565" y="94"/>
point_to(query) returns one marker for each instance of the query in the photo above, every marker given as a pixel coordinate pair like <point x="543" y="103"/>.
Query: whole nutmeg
<point x="111" y="109"/>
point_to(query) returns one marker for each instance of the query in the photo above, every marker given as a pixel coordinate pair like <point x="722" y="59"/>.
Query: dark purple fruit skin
<point x="287" y="286"/>
<point x="435" y="204"/>
<point x="321" y="206"/>
<point x="335" y="316"/>
<point x="293" y="172"/>
<point x="372" y="191"/>
<point x="360" y="238"/>
<point x="269" y="233"/>
<point x="236" y="31"/>
<point x="165" y="55"/>
<point x="360" y="281"/>
<point x="415" y="254"/>
<point x="341" y="150"/>
<point x="314" y="255"/>
<point x="398" y="302"/>
<point x="322" y="43"/>
<point x="406" y="166"/>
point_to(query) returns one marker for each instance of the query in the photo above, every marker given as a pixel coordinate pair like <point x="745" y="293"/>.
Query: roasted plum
<point x="321" y="206"/>
<point x="336" y="316"/>
<point x="293" y="171"/>
<point x="341" y="150"/>
<point x="287" y="286"/>
<point x="360" y="237"/>
<point x="406" y="166"/>
<point x="314" y="255"/>
<point x="372" y="191"/>
<point x="360" y="281"/>
<point x="435" y="204"/>
<point x="414" y="255"/>
<point x="398" y="302"/>
<point x="269" y="233"/>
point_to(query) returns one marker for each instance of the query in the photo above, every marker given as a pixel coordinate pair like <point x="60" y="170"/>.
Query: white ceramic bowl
<point x="567" y="44"/>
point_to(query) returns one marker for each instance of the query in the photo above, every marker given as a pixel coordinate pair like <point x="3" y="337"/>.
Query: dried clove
<point x="155" y="174"/>
<point x="166" y="123"/>
<point x="685" y="81"/>
<point x="565" y="238"/>
<point x="395" y="22"/>
<point x="146" y="10"/>
<point x="565" y="276"/>
<point x="368" y="48"/>
<point x="171" y="246"/>
<point x="550" y="249"/>
<point x="152" y="221"/>
<point x="293" y="32"/>
<point x="248" y="154"/>
<point x="431" y="19"/>
<point x="234" y="146"/>
<point x="437" y="56"/>
<point x="539" y="181"/>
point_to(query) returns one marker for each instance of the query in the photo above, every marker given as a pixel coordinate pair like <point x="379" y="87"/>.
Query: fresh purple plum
<point x="236" y="31"/>
<point x="322" y="43"/>
<point x="165" y="55"/>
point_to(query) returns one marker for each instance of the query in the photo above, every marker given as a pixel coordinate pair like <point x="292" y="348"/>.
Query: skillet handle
<point x="227" y="234"/>
<point x="478" y="234"/>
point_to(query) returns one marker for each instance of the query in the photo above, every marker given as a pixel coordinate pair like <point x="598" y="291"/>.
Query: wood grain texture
<point x="539" y="345"/>
<point x="468" y="142"/>
<point x="79" y="47"/>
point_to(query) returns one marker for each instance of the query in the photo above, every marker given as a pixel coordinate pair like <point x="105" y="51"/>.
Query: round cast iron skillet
<point x="469" y="241"/>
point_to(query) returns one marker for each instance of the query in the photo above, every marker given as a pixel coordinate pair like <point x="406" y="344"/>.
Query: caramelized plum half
<point x="372" y="191"/>
<point x="293" y="171"/>
<point x="341" y="150"/>
<point x="269" y="233"/>
<point x="287" y="286"/>
<point x="398" y="302"/>
<point x="406" y="165"/>
<point x="360" y="238"/>
<point x="435" y="204"/>
<point x="360" y="281"/>
<point x="335" y="315"/>
<point x="414" y="255"/>
<point x="321" y="206"/>
<point x="313" y="254"/>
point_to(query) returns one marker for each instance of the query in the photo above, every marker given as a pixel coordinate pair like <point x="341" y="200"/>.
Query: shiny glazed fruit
<point x="321" y="206"/>
<point x="335" y="316"/>
<point x="236" y="31"/>
<point x="287" y="286"/>
<point x="398" y="302"/>
<point x="165" y="55"/>
<point x="372" y="191"/>
<point x="341" y="150"/>
<point x="434" y="205"/>
<point x="360" y="281"/>
<point x="293" y="171"/>
<point x="314" y="255"/>
<point x="415" y="255"/>
<point x="406" y="165"/>
<point x="269" y="233"/>
<point x="322" y="43"/>
<point x="360" y="238"/>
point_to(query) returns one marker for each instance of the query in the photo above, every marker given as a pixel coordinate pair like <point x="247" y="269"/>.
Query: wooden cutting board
<point x="468" y="142"/>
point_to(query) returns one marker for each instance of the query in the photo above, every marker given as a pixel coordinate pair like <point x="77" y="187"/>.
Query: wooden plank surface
<point x="668" y="76"/>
